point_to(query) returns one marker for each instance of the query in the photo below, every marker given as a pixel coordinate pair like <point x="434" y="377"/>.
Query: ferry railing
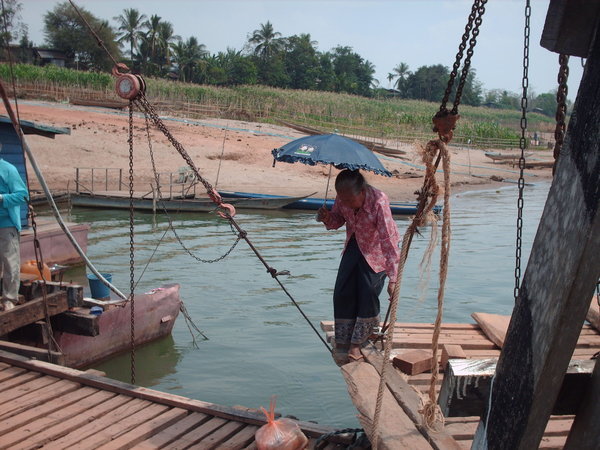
<point x="91" y="179"/>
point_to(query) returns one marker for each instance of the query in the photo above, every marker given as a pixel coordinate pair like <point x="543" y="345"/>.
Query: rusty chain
<point x="145" y="106"/>
<point x="470" y="50"/>
<point x="561" y="107"/>
<point x="522" y="146"/>
<point x="168" y="216"/>
<point x="131" y="243"/>
<point x="475" y="17"/>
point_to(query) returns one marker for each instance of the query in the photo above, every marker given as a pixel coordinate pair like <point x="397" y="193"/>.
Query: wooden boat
<point x="84" y="338"/>
<point x="508" y="157"/>
<point x="155" y="314"/>
<point x="120" y="200"/>
<point x="102" y="103"/>
<point x="313" y="204"/>
<point x="55" y="246"/>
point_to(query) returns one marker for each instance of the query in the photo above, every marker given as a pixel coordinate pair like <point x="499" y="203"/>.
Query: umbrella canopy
<point x="341" y="152"/>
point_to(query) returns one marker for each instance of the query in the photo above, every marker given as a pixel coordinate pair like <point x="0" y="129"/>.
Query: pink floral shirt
<point x="374" y="228"/>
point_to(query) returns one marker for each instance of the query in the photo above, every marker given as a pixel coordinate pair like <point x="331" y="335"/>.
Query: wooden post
<point x="585" y="432"/>
<point x="77" y="180"/>
<point x="556" y="289"/>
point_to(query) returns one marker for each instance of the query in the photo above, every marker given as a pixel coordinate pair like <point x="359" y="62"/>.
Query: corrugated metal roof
<point x="30" y="127"/>
<point x="50" y="54"/>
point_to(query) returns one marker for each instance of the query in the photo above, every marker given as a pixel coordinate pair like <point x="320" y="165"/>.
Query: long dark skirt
<point x="355" y="298"/>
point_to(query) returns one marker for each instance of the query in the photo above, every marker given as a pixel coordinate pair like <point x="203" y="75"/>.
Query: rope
<point x="221" y="158"/>
<point x="561" y="107"/>
<point x="431" y="411"/>
<point x="427" y="200"/>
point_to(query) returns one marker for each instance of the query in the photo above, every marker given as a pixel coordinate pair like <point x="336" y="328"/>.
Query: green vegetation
<point x="327" y="111"/>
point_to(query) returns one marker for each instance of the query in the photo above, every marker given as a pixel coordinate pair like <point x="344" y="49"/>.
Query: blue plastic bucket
<point x="98" y="289"/>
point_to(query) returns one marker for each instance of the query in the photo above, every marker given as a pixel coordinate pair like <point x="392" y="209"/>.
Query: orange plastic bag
<point x="281" y="434"/>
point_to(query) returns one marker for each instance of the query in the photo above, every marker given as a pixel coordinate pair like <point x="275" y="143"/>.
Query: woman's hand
<point x="391" y="287"/>
<point x="322" y="214"/>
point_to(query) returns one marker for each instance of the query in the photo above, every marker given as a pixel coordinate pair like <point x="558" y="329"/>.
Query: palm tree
<point x="152" y="35"/>
<point x="166" y="41"/>
<point x="188" y="56"/>
<point x="130" y="28"/>
<point x="401" y="71"/>
<point x="267" y="41"/>
<point x="390" y="77"/>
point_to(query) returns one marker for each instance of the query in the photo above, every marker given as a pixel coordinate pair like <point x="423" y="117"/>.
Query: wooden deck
<point x="42" y="404"/>
<point x="476" y="345"/>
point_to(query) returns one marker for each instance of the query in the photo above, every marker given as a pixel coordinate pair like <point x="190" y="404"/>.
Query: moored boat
<point x="313" y="204"/>
<point x="119" y="200"/>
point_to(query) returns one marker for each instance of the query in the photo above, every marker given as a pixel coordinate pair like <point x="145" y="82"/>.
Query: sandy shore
<point x="99" y="139"/>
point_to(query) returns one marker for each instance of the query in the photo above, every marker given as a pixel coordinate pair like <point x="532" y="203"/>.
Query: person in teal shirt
<point x="13" y="193"/>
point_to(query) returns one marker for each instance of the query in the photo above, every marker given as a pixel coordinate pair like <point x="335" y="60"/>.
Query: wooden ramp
<point x="409" y="390"/>
<point x="42" y="404"/>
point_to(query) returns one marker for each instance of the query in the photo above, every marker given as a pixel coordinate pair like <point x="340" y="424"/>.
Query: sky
<point x="386" y="33"/>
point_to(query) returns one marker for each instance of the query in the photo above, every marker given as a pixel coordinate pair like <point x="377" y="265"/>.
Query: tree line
<point x="149" y="45"/>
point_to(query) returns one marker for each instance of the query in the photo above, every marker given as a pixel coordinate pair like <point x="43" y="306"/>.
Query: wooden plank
<point x="327" y="325"/>
<point x="466" y="386"/>
<point x="77" y="322"/>
<point x="424" y="343"/>
<point x="215" y="440"/>
<point x="40" y="354"/>
<point x="168" y="435"/>
<point x="22" y="387"/>
<point x="451" y="351"/>
<point x="586" y="432"/>
<point x="115" y="429"/>
<point x="241" y="439"/>
<point x="98" y="424"/>
<point x="493" y="325"/>
<point x="196" y="435"/>
<point x="562" y="272"/>
<point x="32" y="311"/>
<point x="409" y="400"/>
<point x="395" y="429"/>
<point x="414" y="361"/>
<point x="461" y="430"/>
<point x="61" y="422"/>
<point x="37" y="398"/>
<point x="11" y="372"/>
<point x="31" y="414"/>
<point x="593" y="314"/>
<point x="308" y="428"/>
<point x="145" y="430"/>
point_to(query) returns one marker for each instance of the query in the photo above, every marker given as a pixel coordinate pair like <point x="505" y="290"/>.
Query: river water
<point x="258" y="343"/>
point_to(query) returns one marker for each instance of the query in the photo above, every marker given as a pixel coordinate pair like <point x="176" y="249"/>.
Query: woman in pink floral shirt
<point x="370" y="254"/>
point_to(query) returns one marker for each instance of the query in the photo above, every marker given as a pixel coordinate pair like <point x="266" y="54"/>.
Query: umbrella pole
<point x="327" y="188"/>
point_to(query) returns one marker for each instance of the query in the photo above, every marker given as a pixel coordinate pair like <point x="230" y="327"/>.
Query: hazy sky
<point x="417" y="32"/>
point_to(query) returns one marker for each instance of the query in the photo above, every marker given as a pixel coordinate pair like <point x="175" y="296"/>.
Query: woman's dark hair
<point x="350" y="181"/>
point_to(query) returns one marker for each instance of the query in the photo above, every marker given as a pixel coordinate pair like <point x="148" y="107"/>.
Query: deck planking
<point x="476" y="345"/>
<point x="42" y="404"/>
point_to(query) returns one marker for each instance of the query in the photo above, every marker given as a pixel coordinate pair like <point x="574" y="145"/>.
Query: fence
<point x="214" y="109"/>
